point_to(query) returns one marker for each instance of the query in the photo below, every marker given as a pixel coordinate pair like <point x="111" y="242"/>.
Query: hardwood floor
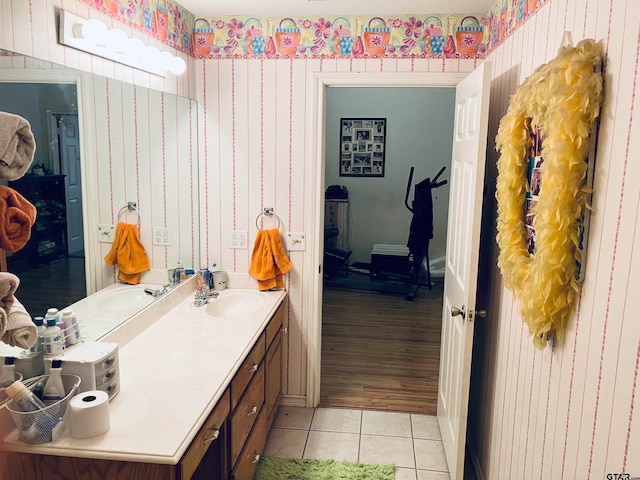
<point x="57" y="284"/>
<point x="380" y="351"/>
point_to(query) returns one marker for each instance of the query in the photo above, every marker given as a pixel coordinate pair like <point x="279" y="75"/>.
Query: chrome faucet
<point x="157" y="293"/>
<point x="202" y="297"/>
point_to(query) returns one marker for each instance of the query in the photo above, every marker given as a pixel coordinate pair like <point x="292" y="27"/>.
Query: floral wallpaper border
<point x="430" y="36"/>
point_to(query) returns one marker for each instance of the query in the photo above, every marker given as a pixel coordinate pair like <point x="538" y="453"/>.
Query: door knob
<point x="455" y="311"/>
<point x="481" y="313"/>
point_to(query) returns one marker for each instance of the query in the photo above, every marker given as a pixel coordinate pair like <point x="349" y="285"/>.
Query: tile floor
<point x="412" y="442"/>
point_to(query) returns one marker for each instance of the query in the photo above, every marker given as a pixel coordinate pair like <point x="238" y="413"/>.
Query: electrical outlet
<point x="296" y="242"/>
<point x="106" y="233"/>
<point x="161" y="236"/>
<point x="238" y="239"/>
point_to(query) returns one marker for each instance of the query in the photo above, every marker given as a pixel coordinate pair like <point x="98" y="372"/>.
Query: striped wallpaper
<point x="568" y="413"/>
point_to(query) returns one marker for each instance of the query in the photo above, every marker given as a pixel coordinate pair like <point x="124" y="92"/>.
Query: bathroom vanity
<point x="198" y="395"/>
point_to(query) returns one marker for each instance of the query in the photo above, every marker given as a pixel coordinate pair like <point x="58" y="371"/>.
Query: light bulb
<point x="165" y="60"/>
<point x="94" y="31"/>
<point x="117" y="41"/>
<point x="135" y="48"/>
<point x="177" y="66"/>
<point x="151" y="56"/>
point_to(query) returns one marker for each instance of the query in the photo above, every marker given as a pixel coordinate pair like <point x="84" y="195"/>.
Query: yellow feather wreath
<point x="562" y="98"/>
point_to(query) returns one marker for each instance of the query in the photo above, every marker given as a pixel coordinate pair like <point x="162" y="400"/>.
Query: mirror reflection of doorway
<point x="379" y="350"/>
<point x="51" y="267"/>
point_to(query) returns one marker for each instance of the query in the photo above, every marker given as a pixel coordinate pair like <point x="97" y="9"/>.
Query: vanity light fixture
<point x="94" y="37"/>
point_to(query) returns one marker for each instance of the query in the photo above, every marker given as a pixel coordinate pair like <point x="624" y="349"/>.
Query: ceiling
<point x="213" y="8"/>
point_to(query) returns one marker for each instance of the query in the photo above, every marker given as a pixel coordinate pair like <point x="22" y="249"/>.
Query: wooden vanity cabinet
<point x="257" y="399"/>
<point x="228" y="445"/>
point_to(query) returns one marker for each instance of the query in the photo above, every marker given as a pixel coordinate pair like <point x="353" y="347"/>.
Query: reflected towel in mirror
<point x="17" y="146"/>
<point x="17" y="215"/>
<point x="128" y="253"/>
<point x="21" y="331"/>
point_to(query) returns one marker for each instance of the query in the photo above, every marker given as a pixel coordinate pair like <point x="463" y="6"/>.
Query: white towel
<point x="21" y="331"/>
<point x="17" y="146"/>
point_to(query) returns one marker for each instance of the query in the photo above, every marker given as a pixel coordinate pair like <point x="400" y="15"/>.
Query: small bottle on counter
<point x="53" y="338"/>
<point x="54" y="388"/>
<point x="72" y="332"/>
<point x="52" y="313"/>
<point x="40" y="328"/>
<point x="8" y="375"/>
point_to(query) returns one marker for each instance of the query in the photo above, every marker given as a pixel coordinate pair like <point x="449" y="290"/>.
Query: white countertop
<point x="175" y="363"/>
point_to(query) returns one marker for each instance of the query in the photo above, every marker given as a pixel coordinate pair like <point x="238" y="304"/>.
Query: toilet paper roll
<point x="89" y="414"/>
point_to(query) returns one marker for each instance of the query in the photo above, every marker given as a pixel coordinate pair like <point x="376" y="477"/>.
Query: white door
<point x="70" y="167"/>
<point x="463" y="243"/>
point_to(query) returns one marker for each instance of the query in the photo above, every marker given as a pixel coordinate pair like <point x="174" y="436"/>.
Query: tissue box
<point x="96" y="363"/>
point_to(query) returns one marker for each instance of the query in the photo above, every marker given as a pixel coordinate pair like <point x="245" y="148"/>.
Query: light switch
<point x="296" y="242"/>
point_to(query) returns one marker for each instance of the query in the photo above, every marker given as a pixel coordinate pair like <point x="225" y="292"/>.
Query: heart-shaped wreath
<point x="562" y="99"/>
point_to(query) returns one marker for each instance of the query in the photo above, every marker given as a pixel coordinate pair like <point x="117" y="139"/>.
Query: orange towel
<point x="128" y="253"/>
<point x="17" y="215"/>
<point x="269" y="261"/>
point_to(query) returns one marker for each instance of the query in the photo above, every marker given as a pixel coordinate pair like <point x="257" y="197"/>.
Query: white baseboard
<point x="294" y="401"/>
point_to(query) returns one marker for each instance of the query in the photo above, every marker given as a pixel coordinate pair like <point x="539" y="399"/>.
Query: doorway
<point x="381" y="321"/>
<point x="315" y="195"/>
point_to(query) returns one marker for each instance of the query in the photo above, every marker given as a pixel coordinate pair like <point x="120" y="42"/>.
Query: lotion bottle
<point x="53" y="338"/>
<point x="72" y="334"/>
<point x="54" y="388"/>
<point x="40" y="328"/>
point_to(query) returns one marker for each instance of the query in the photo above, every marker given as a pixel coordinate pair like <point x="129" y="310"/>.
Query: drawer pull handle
<point x="253" y="411"/>
<point x="252" y="368"/>
<point x="216" y="434"/>
<point x="256" y="459"/>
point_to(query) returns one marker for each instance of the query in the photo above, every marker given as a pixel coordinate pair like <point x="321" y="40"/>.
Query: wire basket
<point x="39" y="426"/>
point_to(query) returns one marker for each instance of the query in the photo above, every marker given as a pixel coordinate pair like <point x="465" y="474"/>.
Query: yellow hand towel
<point x="269" y="261"/>
<point x="128" y="253"/>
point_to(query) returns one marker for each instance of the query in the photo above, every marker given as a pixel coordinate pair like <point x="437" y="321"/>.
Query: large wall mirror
<point x="100" y="144"/>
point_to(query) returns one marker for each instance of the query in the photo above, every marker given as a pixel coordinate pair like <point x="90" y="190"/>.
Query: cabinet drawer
<point x="250" y="456"/>
<point x="246" y="371"/>
<point x="276" y="323"/>
<point x="246" y="413"/>
<point x="206" y="436"/>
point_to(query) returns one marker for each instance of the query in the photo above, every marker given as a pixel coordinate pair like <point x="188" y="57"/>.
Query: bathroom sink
<point x="127" y="298"/>
<point x="232" y="304"/>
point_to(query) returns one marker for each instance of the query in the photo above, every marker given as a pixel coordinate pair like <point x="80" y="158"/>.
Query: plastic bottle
<point x="182" y="275"/>
<point x="72" y="333"/>
<point x="40" y="328"/>
<point x="24" y="399"/>
<point x="53" y="338"/>
<point x="52" y="313"/>
<point x="54" y="388"/>
<point x="8" y="375"/>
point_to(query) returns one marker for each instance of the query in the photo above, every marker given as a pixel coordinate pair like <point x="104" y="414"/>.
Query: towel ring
<point x="130" y="206"/>
<point x="268" y="212"/>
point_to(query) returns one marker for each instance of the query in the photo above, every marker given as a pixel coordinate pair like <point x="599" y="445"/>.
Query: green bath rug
<point x="271" y="468"/>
